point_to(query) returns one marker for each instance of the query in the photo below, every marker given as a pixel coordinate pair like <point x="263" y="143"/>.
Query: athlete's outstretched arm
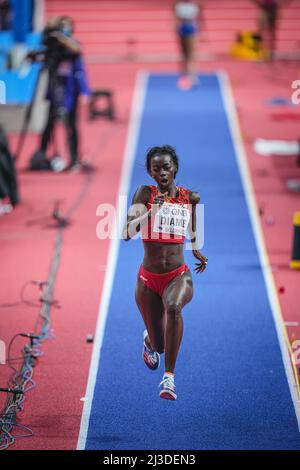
<point x="200" y="267"/>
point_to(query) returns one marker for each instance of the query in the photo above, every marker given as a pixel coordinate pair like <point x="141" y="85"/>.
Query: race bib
<point x="172" y="219"/>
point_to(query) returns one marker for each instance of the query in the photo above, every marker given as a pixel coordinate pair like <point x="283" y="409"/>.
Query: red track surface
<point x="53" y="409"/>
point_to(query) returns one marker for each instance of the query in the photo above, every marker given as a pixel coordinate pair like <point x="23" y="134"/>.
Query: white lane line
<point x="130" y="150"/>
<point x="240" y="153"/>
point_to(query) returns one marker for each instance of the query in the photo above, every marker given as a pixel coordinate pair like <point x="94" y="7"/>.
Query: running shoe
<point x="187" y="82"/>
<point x="184" y="83"/>
<point x="5" y="208"/>
<point x="167" y="388"/>
<point x="151" y="358"/>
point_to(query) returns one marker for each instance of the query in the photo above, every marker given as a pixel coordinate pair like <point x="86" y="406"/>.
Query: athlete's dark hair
<point x="163" y="150"/>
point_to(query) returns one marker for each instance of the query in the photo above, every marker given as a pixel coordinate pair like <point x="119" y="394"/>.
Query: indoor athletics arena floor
<point x="238" y="385"/>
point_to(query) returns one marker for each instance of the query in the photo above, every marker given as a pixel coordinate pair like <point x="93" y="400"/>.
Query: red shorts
<point x="159" y="281"/>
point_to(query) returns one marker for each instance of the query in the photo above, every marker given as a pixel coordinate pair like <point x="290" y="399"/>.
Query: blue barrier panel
<point x="19" y="89"/>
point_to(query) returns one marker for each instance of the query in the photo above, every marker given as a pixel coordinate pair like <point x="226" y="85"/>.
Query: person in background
<point x="67" y="81"/>
<point x="4" y="15"/>
<point x="188" y="15"/>
<point x="267" y="22"/>
<point x="9" y="195"/>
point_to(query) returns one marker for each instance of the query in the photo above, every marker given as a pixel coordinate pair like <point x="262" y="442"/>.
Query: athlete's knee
<point x="174" y="310"/>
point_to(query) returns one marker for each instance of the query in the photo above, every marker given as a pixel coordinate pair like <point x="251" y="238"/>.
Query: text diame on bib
<point x="172" y="219"/>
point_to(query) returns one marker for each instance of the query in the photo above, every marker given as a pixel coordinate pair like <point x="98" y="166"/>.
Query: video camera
<point x="49" y="40"/>
<point x="55" y="51"/>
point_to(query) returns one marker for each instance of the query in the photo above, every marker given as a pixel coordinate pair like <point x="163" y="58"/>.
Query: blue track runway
<point x="231" y="383"/>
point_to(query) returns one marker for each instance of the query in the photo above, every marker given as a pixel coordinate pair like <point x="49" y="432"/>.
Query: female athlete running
<point x="188" y="17"/>
<point x="163" y="213"/>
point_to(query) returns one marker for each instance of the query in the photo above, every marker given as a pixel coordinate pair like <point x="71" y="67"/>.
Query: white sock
<point x="169" y="375"/>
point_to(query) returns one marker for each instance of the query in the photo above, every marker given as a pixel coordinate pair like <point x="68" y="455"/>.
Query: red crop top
<point x="171" y="221"/>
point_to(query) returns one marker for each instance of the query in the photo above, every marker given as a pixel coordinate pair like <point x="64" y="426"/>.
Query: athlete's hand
<point x="159" y="199"/>
<point x="157" y="203"/>
<point x="200" y="267"/>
